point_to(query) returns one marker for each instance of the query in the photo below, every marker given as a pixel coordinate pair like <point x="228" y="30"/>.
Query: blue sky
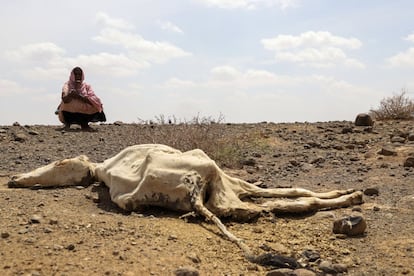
<point x="248" y="60"/>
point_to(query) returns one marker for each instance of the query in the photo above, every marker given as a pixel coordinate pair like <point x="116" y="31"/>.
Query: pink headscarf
<point x="85" y="90"/>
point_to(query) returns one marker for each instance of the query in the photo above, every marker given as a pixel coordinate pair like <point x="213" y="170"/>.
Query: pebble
<point x="409" y="162"/>
<point x="186" y="271"/>
<point x="350" y="225"/>
<point x="35" y="219"/>
<point x="373" y="191"/>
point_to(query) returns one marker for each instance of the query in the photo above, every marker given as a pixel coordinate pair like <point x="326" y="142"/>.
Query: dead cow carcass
<point x="158" y="175"/>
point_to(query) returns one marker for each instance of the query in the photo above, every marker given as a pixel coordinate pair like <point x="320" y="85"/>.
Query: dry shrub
<point x="224" y="143"/>
<point x="397" y="107"/>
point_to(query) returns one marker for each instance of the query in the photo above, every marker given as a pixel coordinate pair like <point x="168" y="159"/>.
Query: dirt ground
<point x="79" y="231"/>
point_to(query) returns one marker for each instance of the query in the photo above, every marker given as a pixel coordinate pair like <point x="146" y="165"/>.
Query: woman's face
<point x="78" y="75"/>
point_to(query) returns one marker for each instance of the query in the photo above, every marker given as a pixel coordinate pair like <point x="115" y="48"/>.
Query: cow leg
<point x="250" y="190"/>
<point x="198" y="189"/>
<point x="309" y="204"/>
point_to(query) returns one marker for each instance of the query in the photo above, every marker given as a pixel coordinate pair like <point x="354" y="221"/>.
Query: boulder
<point x="364" y="119"/>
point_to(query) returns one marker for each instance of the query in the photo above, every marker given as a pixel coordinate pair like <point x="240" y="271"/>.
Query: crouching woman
<point x="79" y="103"/>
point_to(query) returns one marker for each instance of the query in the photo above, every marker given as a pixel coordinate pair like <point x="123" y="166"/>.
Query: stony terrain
<point x="78" y="231"/>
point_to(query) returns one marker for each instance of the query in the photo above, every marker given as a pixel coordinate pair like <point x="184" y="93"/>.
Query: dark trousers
<point x="83" y="119"/>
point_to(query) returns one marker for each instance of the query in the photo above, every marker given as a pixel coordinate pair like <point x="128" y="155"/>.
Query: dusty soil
<point x="78" y="231"/>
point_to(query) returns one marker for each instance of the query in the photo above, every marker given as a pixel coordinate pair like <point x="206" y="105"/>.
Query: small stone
<point x="409" y="162"/>
<point x="280" y="272"/>
<point x="371" y="191"/>
<point x="311" y="256"/>
<point x="340" y="268"/>
<point x="376" y="208"/>
<point x="350" y="226"/>
<point x="35" y="219"/>
<point x="47" y="230"/>
<point x="172" y="238"/>
<point x="398" y="139"/>
<point x="5" y="235"/>
<point x="32" y="132"/>
<point x="387" y="152"/>
<point x="186" y="271"/>
<point x="248" y="162"/>
<point x="303" y="272"/>
<point x="20" y="137"/>
<point x="327" y="267"/>
<point x="194" y="258"/>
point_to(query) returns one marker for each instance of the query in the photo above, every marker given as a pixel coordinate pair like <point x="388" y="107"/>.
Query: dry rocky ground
<point x="78" y="231"/>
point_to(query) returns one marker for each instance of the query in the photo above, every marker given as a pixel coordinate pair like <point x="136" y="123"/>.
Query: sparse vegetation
<point x="206" y="133"/>
<point x="397" y="107"/>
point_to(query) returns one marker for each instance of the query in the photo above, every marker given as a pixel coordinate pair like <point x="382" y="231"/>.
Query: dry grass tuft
<point x="397" y="107"/>
<point x="206" y="133"/>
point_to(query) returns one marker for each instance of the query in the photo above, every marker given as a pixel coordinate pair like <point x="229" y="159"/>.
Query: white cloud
<point x="317" y="49"/>
<point x="274" y="97"/>
<point x="310" y="39"/>
<point x="250" y="4"/>
<point x="169" y="26"/>
<point x="403" y="59"/>
<point x="38" y="52"/>
<point x="225" y="73"/>
<point x="46" y="60"/>
<point x="410" y="37"/>
<point x="176" y="82"/>
<point x="110" y="64"/>
<point x="111" y="22"/>
<point x="140" y="49"/>
<point x="8" y="87"/>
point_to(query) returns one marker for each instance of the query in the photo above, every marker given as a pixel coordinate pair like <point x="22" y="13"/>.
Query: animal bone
<point x="158" y="175"/>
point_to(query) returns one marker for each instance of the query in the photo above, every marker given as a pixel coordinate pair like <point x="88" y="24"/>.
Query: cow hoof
<point x="12" y="184"/>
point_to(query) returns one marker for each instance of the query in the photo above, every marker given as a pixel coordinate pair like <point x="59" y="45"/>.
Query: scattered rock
<point x="33" y="132"/>
<point x="371" y="191"/>
<point x="386" y="151"/>
<point x="20" y="137"/>
<point x="249" y="162"/>
<point x="364" y="119"/>
<point x="346" y="130"/>
<point x="350" y="226"/>
<point x="290" y="272"/>
<point x="398" y="139"/>
<point x="186" y="271"/>
<point x="5" y="235"/>
<point x="281" y="272"/>
<point x="194" y="258"/>
<point x="35" y="219"/>
<point x="409" y="162"/>
<point x="303" y="272"/>
<point x="311" y="256"/>
<point x="327" y="267"/>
